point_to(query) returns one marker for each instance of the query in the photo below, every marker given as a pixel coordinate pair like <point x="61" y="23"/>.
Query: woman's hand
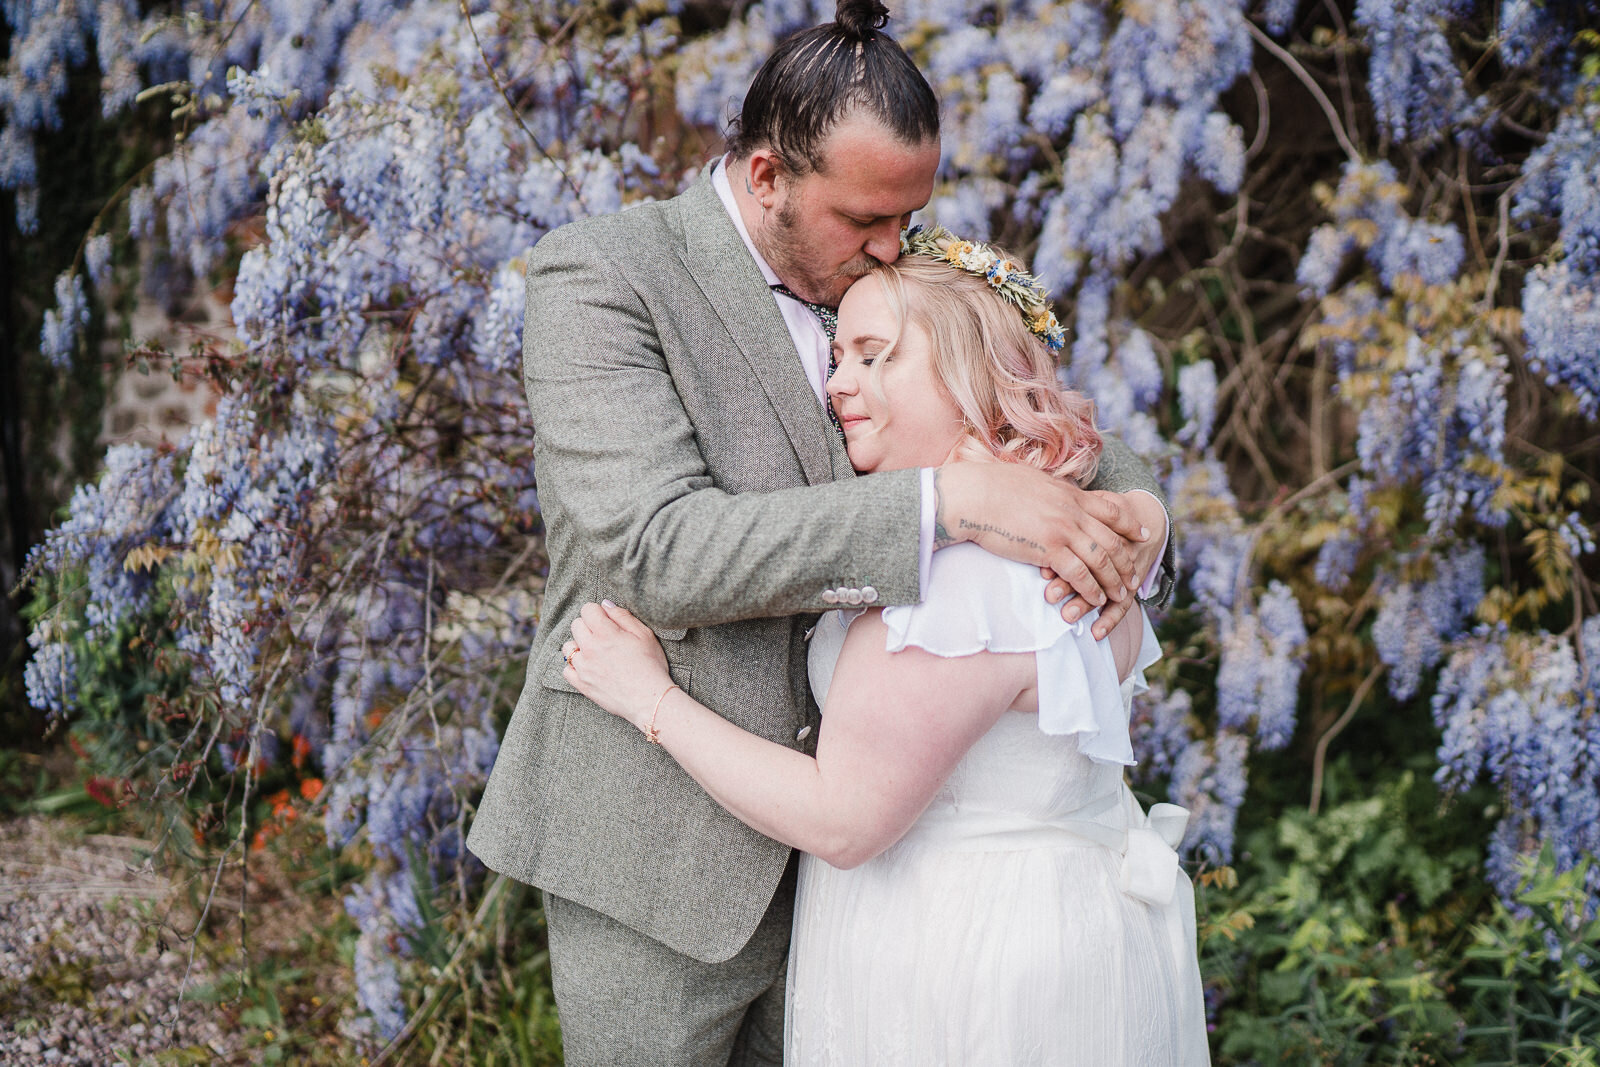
<point x="616" y="661"/>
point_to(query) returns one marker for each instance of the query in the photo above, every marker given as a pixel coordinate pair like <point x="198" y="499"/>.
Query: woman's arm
<point x="893" y="727"/>
<point x="1126" y="637"/>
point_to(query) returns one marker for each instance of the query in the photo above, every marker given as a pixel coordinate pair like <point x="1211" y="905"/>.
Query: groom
<point x="674" y="359"/>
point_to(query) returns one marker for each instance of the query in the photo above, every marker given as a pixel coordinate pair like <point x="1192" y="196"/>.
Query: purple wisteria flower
<point x="343" y="552"/>
<point x="1520" y="710"/>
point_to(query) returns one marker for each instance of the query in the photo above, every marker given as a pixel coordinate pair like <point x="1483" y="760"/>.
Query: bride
<point x="978" y="885"/>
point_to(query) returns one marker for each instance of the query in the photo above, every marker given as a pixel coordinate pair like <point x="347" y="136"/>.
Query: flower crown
<point x="1013" y="284"/>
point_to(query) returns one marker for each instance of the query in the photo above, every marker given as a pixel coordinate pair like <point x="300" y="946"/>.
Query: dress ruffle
<point x="980" y="602"/>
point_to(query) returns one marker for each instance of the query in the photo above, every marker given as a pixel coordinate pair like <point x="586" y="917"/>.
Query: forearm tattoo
<point x="941" y="536"/>
<point x="984" y="527"/>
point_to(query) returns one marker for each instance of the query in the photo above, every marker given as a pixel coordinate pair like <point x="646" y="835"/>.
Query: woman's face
<point x="914" y="423"/>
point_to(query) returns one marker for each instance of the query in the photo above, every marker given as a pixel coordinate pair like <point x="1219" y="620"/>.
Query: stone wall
<point x="156" y="407"/>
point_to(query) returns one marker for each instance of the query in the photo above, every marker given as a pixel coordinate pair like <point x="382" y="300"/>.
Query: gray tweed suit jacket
<point x="687" y="472"/>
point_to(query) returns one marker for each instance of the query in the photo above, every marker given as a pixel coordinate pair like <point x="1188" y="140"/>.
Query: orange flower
<point x="302" y="749"/>
<point x="310" y="788"/>
<point x="102" y="790"/>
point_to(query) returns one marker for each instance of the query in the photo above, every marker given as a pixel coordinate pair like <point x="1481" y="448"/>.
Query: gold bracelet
<point x="650" y="734"/>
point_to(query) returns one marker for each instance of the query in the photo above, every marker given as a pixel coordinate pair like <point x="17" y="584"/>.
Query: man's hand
<point x="1086" y="538"/>
<point x="1147" y="553"/>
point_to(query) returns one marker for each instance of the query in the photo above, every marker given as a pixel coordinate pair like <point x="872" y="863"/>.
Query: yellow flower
<point x="956" y="249"/>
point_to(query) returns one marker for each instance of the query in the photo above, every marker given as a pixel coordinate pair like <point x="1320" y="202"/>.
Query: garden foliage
<point x="1334" y="269"/>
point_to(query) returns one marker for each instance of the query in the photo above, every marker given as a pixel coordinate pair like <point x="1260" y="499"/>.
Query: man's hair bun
<point x="815" y="78"/>
<point x="859" y="18"/>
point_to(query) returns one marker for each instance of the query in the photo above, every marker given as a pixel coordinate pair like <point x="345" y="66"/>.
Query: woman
<point x="978" y="885"/>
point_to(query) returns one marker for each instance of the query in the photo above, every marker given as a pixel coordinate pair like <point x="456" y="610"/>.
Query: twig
<point x="1575" y="631"/>
<point x="1310" y="83"/>
<point x="511" y="105"/>
<point x="1263" y="115"/>
<point x="1339" y="56"/>
<point x="1499" y="253"/>
<point x="1256" y="368"/>
<point x="491" y="898"/>
<point x="194" y="942"/>
<point x="1316" y="484"/>
<point x="427" y="658"/>
<point x="1319" y="389"/>
<point x="1333" y="731"/>
<point x="1472" y="212"/>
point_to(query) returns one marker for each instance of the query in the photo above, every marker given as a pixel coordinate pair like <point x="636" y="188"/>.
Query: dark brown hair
<point x="816" y="77"/>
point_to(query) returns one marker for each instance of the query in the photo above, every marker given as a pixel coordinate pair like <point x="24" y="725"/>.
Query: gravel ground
<point x="85" y="977"/>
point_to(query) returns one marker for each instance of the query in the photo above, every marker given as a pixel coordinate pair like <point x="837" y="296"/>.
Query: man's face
<point x="826" y="229"/>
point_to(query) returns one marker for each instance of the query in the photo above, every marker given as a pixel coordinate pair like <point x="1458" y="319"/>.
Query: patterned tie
<point x="829" y="317"/>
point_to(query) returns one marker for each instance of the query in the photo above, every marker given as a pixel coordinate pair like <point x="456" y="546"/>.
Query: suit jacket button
<point x="851" y="596"/>
<point x="802" y="733"/>
<point x="869" y="595"/>
<point x="830" y="596"/>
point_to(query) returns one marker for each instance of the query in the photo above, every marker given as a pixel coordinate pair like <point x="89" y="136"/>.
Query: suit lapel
<point x="715" y="256"/>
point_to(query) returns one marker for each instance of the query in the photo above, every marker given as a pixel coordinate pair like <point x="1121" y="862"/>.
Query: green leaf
<point x="258" y="1017"/>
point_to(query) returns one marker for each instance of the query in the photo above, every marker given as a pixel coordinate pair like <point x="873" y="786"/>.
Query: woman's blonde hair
<point x="999" y="374"/>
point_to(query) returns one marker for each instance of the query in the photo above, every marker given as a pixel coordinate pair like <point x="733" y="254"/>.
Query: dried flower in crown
<point x="1014" y="285"/>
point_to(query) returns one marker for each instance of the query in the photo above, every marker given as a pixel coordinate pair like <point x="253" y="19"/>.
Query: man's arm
<point x="1099" y="543"/>
<point x="1122" y="471"/>
<point x="619" y="459"/>
<point x="617" y="451"/>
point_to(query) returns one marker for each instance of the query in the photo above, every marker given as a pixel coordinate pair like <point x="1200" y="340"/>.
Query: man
<point x="688" y="471"/>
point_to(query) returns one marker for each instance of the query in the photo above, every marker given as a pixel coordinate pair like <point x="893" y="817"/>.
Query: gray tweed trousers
<point x="627" y="1000"/>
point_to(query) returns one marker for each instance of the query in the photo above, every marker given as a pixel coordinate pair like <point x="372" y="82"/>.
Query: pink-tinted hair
<point x="1000" y="376"/>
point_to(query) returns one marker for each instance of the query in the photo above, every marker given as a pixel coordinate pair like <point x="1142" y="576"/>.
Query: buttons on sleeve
<point x="847" y="594"/>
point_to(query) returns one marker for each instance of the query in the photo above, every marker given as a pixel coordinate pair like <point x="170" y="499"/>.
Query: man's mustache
<point x="859" y="268"/>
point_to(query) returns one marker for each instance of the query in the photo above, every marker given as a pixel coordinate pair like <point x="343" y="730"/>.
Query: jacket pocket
<point x="551" y="677"/>
<point x="666" y="633"/>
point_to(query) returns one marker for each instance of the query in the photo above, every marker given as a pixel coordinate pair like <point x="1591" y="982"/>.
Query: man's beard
<point x="780" y="245"/>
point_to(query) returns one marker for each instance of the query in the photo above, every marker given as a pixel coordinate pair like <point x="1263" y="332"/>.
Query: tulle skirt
<point x="971" y="957"/>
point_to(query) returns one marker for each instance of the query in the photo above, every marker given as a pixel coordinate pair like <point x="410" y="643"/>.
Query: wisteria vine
<point x="340" y="572"/>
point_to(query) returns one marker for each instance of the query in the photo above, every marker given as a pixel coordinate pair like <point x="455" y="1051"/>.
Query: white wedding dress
<point x="1033" y="915"/>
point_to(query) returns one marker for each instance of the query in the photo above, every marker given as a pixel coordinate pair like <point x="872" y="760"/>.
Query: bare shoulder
<point x="866" y="655"/>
